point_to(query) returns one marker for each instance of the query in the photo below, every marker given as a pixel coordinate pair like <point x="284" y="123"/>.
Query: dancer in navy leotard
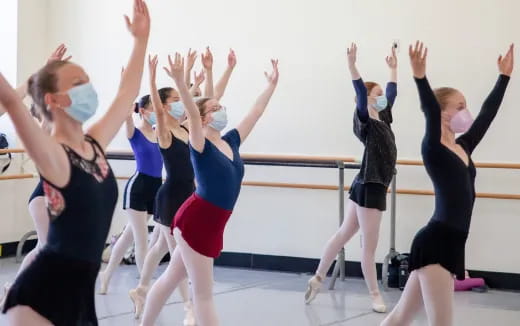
<point x="437" y="252"/>
<point x="199" y="223"/>
<point x="179" y="183"/>
<point x="372" y="125"/>
<point x="140" y="190"/>
<point x="80" y="188"/>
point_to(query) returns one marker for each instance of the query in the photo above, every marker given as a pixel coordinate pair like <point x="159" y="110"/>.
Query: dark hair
<point x="200" y="104"/>
<point x="43" y="82"/>
<point x="143" y="103"/>
<point x="164" y="93"/>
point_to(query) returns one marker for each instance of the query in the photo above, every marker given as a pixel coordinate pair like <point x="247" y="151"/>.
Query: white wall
<point x="311" y="112"/>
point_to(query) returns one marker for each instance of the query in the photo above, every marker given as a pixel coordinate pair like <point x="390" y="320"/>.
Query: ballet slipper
<point x="313" y="288"/>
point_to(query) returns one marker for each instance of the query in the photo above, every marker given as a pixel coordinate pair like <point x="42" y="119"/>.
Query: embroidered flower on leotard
<point x="54" y="200"/>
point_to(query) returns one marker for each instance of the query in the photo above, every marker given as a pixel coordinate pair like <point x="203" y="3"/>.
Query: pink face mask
<point x="461" y="122"/>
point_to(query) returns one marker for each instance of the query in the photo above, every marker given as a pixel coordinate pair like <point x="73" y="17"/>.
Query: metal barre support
<point x="19" y="247"/>
<point x="392" y="252"/>
<point x="339" y="268"/>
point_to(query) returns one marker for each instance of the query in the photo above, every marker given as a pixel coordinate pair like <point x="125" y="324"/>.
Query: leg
<point x="38" y="211"/>
<point x="370" y="221"/>
<point x="437" y="291"/>
<point x="155" y="235"/>
<point x="348" y="228"/>
<point x="165" y="285"/>
<point x="409" y="304"/>
<point x="138" y="222"/>
<point x="200" y="272"/>
<point x="118" y="251"/>
<point x="24" y="315"/>
<point x="152" y="260"/>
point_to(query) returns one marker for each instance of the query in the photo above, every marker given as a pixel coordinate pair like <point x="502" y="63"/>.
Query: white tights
<point x="430" y="287"/>
<point x="185" y="262"/>
<point x="38" y="211"/>
<point x="369" y="220"/>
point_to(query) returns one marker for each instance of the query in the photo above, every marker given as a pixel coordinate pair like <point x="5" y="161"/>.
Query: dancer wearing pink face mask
<point x="437" y="252"/>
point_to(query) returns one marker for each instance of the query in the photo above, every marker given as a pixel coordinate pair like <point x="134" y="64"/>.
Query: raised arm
<point x="359" y="85"/>
<point x="161" y="129"/>
<point x="47" y="154"/>
<point x="492" y="103"/>
<point x="57" y="55"/>
<point x="429" y="104"/>
<point x="220" y="88"/>
<point x="198" y="80"/>
<point x="190" y="62"/>
<point x="107" y="127"/>
<point x="21" y="92"/>
<point x="207" y="63"/>
<point x="197" y="138"/>
<point x="244" y="128"/>
<point x="391" y="87"/>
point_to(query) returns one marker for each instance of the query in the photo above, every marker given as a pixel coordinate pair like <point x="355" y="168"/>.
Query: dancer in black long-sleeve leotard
<point x="438" y="248"/>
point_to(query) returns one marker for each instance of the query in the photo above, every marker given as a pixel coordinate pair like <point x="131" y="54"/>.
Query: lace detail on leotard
<point x="97" y="167"/>
<point x="54" y="200"/>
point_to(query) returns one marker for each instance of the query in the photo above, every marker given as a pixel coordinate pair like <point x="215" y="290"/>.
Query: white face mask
<point x="220" y="119"/>
<point x="83" y="102"/>
<point x="177" y="110"/>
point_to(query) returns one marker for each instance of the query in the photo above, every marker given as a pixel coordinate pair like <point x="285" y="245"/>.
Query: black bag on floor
<point x="398" y="271"/>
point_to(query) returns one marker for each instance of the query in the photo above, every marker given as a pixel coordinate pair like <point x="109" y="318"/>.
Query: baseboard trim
<point x="496" y="280"/>
<point x="9" y="248"/>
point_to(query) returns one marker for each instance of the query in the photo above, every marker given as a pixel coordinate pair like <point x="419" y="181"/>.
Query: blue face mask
<point x="381" y="103"/>
<point x="152" y="118"/>
<point x="177" y="110"/>
<point x="220" y="120"/>
<point x="84" y="102"/>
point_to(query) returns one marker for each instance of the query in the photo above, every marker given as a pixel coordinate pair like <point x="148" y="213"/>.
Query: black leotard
<point x="453" y="181"/>
<point x="179" y="183"/>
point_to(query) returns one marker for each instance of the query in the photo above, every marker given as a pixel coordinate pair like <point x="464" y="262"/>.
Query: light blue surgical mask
<point x="177" y="110"/>
<point x="381" y="103"/>
<point x="84" y="102"/>
<point x="152" y="118"/>
<point x="220" y="119"/>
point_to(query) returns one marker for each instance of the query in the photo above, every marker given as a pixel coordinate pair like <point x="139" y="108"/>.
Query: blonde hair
<point x="442" y="94"/>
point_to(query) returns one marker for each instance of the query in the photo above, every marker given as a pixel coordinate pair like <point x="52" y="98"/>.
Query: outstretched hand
<point x="232" y="59"/>
<point x="418" y="54"/>
<point x="272" y="78"/>
<point x="352" y="54"/>
<point x="176" y="70"/>
<point x="190" y="59"/>
<point x="199" y="78"/>
<point x="152" y="66"/>
<point x="391" y="61"/>
<point x="506" y="63"/>
<point x="58" y="54"/>
<point x="207" y="59"/>
<point x="139" y="27"/>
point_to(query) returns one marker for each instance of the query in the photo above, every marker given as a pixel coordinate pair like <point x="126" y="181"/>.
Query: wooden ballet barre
<point x="125" y="154"/>
<point x="12" y="150"/>
<point x="17" y="176"/>
<point x="347" y="188"/>
<point x="482" y="165"/>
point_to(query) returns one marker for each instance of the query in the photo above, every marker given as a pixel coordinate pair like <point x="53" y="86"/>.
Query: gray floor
<point x="253" y="298"/>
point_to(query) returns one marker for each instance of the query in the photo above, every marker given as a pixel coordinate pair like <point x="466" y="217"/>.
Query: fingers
<point x="128" y="23"/>
<point x="146" y="13"/>
<point x="423" y="58"/>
